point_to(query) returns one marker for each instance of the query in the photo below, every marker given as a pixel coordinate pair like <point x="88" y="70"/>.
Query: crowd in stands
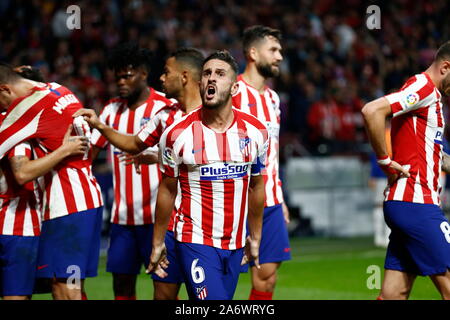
<point x="333" y="64"/>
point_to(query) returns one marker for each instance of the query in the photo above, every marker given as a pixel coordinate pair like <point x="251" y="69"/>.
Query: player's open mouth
<point x="210" y="92"/>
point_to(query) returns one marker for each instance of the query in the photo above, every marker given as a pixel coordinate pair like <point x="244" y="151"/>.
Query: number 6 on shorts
<point x="197" y="273"/>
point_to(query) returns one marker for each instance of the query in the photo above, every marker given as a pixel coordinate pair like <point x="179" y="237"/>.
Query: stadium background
<point x="332" y="65"/>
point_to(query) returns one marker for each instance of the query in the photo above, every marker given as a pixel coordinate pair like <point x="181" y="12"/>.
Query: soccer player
<point x="262" y="50"/>
<point x="216" y="154"/>
<point x="70" y="235"/>
<point x="419" y="243"/>
<point x="134" y="192"/>
<point x="180" y="81"/>
<point x="20" y="213"/>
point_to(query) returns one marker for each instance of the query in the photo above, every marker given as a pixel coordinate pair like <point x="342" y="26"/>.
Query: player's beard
<point x="267" y="70"/>
<point x="222" y="98"/>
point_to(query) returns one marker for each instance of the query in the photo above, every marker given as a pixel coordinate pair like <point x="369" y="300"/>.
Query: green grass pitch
<point x="320" y="269"/>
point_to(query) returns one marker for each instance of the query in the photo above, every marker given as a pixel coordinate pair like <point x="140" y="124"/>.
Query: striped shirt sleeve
<point x="415" y="94"/>
<point x="97" y="139"/>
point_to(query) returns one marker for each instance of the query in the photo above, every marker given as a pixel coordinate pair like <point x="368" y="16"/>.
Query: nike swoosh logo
<point x="42" y="267"/>
<point x="195" y="151"/>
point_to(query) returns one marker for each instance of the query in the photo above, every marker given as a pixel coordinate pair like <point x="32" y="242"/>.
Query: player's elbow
<point x="22" y="178"/>
<point x="369" y="110"/>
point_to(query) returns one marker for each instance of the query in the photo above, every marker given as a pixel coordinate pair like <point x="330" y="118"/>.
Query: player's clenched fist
<point x="158" y="261"/>
<point x="90" y="116"/>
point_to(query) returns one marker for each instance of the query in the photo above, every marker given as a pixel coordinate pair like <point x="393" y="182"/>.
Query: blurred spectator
<point x="326" y="44"/>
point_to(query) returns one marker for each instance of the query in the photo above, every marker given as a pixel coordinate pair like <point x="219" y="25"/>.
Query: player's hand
<point x="287" y="219"/>
<point x="251" y="252"/>
<point x="90" y="116"/>
<point x="158" y="261"/>
<point x="128" y="159"/>
<point x="395" y="171"/>
<point x="74" y="145"/>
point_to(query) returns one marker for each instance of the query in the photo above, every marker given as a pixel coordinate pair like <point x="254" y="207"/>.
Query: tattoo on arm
<point x="17" y="162"/>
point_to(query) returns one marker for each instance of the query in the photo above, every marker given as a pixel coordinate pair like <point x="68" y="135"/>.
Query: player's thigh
<point x="396" y="284"/>
<point x="203" y="271"/>
<point x="165" y="290"/>
<point x="123" y="255"/>
<point x="442" y="283"/>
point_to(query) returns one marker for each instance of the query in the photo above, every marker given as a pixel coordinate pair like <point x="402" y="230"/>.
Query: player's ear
<point x="5" y="88"/>
<point x="184" y="77"/>
<point x="445" y="67"/>
<point x="234" y="88"/>
<point x="253" y="53"/>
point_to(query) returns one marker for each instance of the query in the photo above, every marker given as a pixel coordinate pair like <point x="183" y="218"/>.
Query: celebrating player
<point x="180" y="81"/>
<point x="262" y="50"/>
<point x="134" y="192"/>
<point x="41" y="113"/>
<point x="215" y="153"/>
<point x="420" y="237"/>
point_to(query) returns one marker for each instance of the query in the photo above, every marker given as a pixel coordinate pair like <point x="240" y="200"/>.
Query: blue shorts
<point x="129" y="249"/>
<point x="420" y="238"/>
<point x="174" y="273"/>
<point x="274" y="246"/>
<point x="70" y="244"/>
<point x="209" y="273"/>
<point x="18" y="257"/>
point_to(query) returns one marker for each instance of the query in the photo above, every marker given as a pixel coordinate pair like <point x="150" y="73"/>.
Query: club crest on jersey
<point x="223" y="171"/>
<point x="412" y="99"/>
<point x="202" y="292"/>
<point x="243" y="142"/>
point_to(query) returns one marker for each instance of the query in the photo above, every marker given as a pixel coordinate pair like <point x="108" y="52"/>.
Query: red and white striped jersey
<point x="266" y="107"/>
<point x="44" y="116"/>
<point x="213" y="170"/>
<point x="151" y="134"/>
<point x="20" y="206"/>
<point x="417" y="130"/>
<point x="134" y="194"/>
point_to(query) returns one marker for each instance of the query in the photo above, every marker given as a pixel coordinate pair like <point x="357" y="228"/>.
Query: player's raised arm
<point x="375" y="114"/>
<point x="128" y="143"/>
<point x="25" y="169"/>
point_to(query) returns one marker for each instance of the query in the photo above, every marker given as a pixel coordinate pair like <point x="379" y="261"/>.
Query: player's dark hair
<point x="223" y="55"/>
<point x="31" y="73"/>
<point x="257" y="33"/>
<point x="129" y="55"/>
<point x="191" y="57"/>
<point x="443" y="52"/>
<point x="7" y="74"/>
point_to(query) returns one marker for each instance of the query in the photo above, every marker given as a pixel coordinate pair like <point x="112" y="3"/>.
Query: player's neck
<point x="254" y="78"/>
<point x="23" y="87"/>
<point x="134" y="102"/>
<point x="190" y="99"/>
<point x="218" y="119"/>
